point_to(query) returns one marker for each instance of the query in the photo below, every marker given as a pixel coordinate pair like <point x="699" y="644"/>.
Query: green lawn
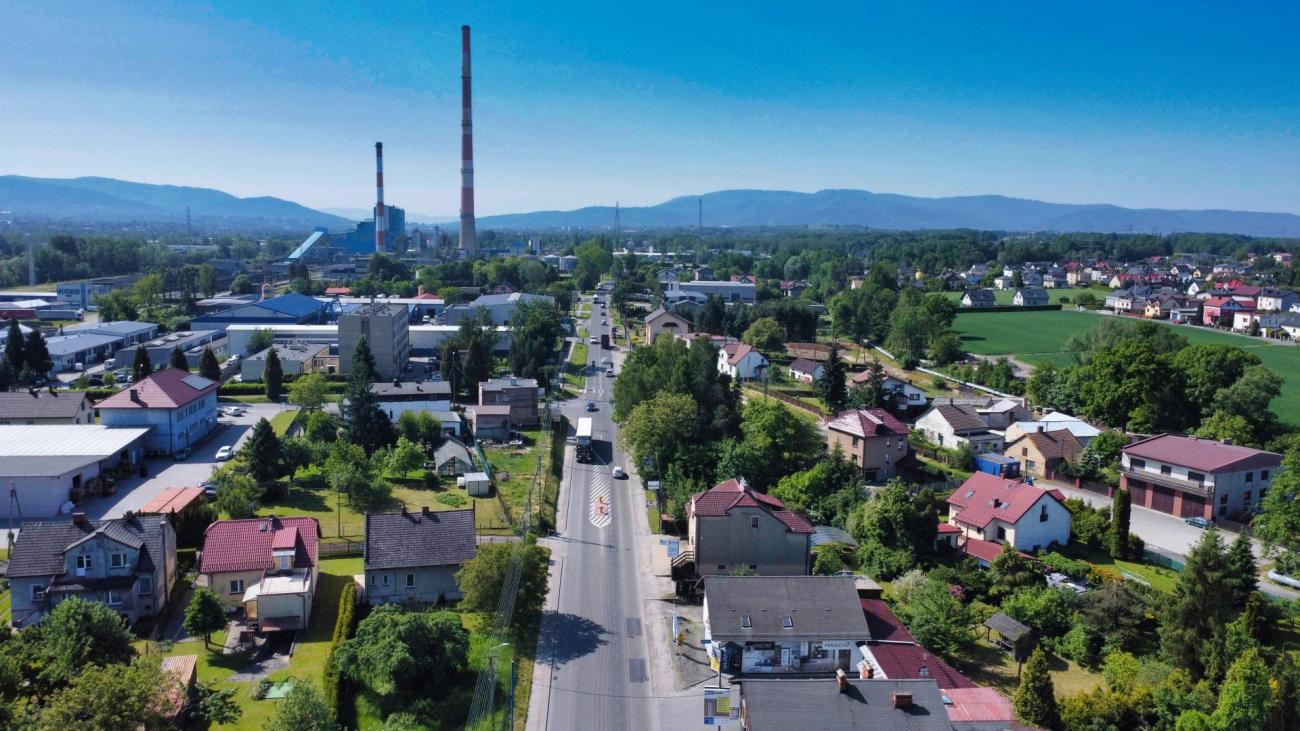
<point x="652" y="512"/>
<point x="1054" y="296"/>
<point x="281" y="422"/>
<point x="1157" y="577"/>
<point x="513" y="471"/>
<point x="1040" y="336"/>
<point x="990" y="666"/>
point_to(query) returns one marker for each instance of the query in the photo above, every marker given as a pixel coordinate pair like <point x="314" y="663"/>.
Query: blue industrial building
<point x="321" y="244"/>
<point x="287" y="309"/>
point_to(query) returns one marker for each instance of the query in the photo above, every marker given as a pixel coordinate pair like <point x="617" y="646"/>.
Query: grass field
<point x="1040" y="336"/>
<point x="281" y="422"/>
<point x="1006" y="296"/>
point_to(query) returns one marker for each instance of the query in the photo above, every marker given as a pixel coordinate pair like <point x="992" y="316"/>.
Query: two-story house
<point x="128" y="564"/>
<point x="952" y="425"/>
<point x="899" y="394"/>
<point x="520" y="394"/>
<point x="741" y="361"/>
<point x="178" y="407"/>
<point x="872" y="439"/>
<point x="1030" y="297"/>
<point x="733" y="527"/>
<point x="990" y="509"/>
<point x="1276" y="300"/>
<point x="758" y="625"/>
<point x="46" y="407"/>
<point x="1220" y="311"/>
<point x="1194" y="477"/>
<point x="414" y="557"/>
<point x="1041" y="453"/>
<point x="978" y="298"/>
<point x="662" y="321"/>
<point x="1003" y="413"/>
<point x="268" y="566"/>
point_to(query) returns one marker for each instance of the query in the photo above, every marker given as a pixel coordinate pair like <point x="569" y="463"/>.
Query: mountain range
<point x="94" y="200"/>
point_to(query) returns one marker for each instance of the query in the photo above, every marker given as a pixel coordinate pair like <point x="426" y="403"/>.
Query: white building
<point x="993" y="509"/>
<point x="741" y="361"/>
<point x="178" y="407"/>
<point x="47" y="463"/>
<point x="951" y="426"/>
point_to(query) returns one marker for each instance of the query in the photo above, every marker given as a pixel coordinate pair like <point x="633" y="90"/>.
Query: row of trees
<point x="912" y="325"/>
<point x="26" y="358"/>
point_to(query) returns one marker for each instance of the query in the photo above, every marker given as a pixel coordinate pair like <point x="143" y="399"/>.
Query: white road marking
<point x="600" y="499"/>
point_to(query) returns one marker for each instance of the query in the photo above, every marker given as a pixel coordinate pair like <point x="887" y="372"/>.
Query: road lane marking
<point x="599" y="499"/>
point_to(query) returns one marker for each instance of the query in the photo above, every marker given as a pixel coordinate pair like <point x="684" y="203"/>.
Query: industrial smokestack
<point x="468" y="238"/>
<point x="381" y="214"/>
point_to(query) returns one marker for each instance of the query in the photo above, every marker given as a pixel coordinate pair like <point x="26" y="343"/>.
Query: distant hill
<point x="738" y="208"/>
<point x="109" y="200"/>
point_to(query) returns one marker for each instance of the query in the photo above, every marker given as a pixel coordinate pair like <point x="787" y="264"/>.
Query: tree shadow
<point x="567" y="637"/>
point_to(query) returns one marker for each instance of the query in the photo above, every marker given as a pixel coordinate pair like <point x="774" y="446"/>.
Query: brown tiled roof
<point x="1060" y="444"/>
<point x="868" y="423"/>
<point x="719" y="500"/>
<point x="1203" y="455"/>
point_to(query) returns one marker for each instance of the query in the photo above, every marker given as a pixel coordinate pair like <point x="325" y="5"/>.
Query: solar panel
<point x="198" y="383"/>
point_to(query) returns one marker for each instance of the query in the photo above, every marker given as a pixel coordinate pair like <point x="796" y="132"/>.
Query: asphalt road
<point x="593" y="668"/>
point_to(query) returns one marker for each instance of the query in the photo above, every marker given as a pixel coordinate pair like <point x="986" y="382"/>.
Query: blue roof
<point x="116" y="327"/>
<point x="298" y="305"/>
<point x="66" y="344"/>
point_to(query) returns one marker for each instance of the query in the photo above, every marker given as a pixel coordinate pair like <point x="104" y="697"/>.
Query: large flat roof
<point x="37" y="450"/>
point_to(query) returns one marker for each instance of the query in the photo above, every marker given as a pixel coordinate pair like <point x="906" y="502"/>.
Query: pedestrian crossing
<point x="600" y="498"/>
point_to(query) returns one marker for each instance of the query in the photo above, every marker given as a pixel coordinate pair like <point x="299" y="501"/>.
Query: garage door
<point x="1193" y="505"/>
<point x="1162" y="498"/>
<point x="1137" y="493"/>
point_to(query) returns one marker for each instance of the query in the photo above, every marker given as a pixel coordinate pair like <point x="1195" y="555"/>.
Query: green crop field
<point x="1040" y="336"/>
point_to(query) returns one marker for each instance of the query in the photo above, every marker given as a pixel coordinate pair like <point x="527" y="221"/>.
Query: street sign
<point x="652" y="485"/>
<point x="719" y="711"/>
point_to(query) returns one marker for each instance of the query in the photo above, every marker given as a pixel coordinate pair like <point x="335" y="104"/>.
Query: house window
<point x="1166" y="469"/>
<point x="146" y="584"/>
<point x="1246" y="496"/>
<point x="1029" y="465"/>
<point x="1024" y="451"/>
<point x="1002" y="533"/>
<point x="384" y="579"/>
<point x="38" y="592"/>
<point x="722" y="567"/>
<point x="1250" y="477"/>
<point x="753" y="521"/>
<point x="746" y="622"/>
<point x="787" y="622"/>
<point x="1196" y="477"/>
<point x="117" y="560"/>
<point x="410" y="581"/>
<point x="114" y="597"/>
<point x="236" y="586"/>
<point x="85" y="563"/>
<point x="1042" y="514"/>
<point x="1137" y="464"/>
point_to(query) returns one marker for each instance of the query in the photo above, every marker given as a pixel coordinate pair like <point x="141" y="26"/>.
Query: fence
<point x="344" y="547"/>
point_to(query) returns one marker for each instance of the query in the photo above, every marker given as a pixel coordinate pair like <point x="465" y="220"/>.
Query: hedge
<point x="338" y="690"/>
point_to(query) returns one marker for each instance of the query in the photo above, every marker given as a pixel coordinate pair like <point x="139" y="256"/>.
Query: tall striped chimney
<point x="381" y="213"/>
<point x="468" y="238"/>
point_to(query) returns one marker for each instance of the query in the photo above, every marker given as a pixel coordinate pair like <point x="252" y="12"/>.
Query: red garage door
<point x="1137" y="492"/>
<point x="1193" y="505"/>
<point x="1162" y="498"/>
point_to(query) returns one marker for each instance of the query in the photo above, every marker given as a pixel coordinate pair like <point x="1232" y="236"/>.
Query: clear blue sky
<point x="1140" y="104"/>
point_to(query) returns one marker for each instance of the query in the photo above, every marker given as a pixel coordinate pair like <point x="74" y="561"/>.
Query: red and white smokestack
<point x="468" y="238"/>
<point x="381" y="214"/>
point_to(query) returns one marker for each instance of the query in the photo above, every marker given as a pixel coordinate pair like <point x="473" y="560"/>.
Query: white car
<point x="234" y="411"/>
<point x="618" y="472"/>
<point x="225" y="453"/>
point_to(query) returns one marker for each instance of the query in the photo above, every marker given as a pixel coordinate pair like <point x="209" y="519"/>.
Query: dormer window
<point x="787" y="622"/>
<point x="746" y="622"/>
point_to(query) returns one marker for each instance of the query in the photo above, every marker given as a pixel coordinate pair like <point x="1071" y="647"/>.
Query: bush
<point x="884" y="563"/>
<point x="828" y="560"/>
<point x="338" y="691"/>
<point x="454" y="499"/>
<point x="242" y="389"/>
<point x="263" y="687"/>
<point x="1071" y="567"/>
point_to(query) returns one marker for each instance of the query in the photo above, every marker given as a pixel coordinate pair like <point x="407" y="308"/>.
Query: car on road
<point x="618" y="472"/>
<point x="593" y="341"/>
<point x="225" y="453"/>
<point x="604" y="322"/>
<point x="182" y="455"/>
<point x="1197" y="522"/>
<point x="591" y="406"/>
<point x="609" y="372"/>
<point x="233" y="411"/>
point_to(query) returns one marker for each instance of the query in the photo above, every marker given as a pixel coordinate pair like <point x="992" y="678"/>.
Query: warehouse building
<point x="46" y="464"/>
<point x="288" y="309"/>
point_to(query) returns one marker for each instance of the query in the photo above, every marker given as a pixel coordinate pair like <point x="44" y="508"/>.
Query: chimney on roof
<point x="1228" y="441"/>
<point x="902" y="701"/>
<point x="403" y="508"/>
<point x="78" y="518"/>
<point x="424" y="510"/>
<point x="135" y="394"/>
<point x="841" y="681"/>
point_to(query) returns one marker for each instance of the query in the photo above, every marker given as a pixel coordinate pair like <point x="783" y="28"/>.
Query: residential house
<point x="490" y="422"/>
<point x="758" y="625"/>
<point x="856" y="281"/>
<point x="45" y="407"/>
<point x="413" y="557"/>
<point x="129" y="564"/>
<point x="663" y="321"/>
<point x="296" y="358"/>
<point x="1220" y="311"/>
<point x="1041" y="452"/>
<point x="1004" y="281"/>
<point x="978" y="298"/>
<point x="1276" y="300"/>
<point x="872" y="439"/>
<point x="1002" y="413"/>
<point x="1029" y="297"/>
<point x="951" y="426"/>
<point x="267" y="566"/>
<point x="899" y="394"/>
<point x="844" y="704"/>
<point x="793" y="289"/>
<point x="178" y="407"/>
<point x="1193" y="477"/>
<point x="741" y="361"/>
<point x="1052" y="421"/>
<point x="519" y="393"/>
<point x="398" y="397"/>
<point x="452" y="459"/>
<point x="1055" y="280"/>
<point x="803" y="370"/>
<point x="993" y="510"/>
<point x="733" y="527"/>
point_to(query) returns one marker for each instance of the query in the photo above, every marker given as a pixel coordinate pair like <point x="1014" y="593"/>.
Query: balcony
<point x="1177" y="483"/>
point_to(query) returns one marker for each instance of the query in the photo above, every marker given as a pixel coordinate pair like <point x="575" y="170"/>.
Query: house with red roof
<point x="991" y="511"/>
<point x="266" y="566"/>
<point x="1220" y="311"/>
<point x="872" y="439"/>
<point x="741" y="361"/>
<point x="178" y="407"/>
<point x="734" y="527"/>
<point x="1196" y="478"/>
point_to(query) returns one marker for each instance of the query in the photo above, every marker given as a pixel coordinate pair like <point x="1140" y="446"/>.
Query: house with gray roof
<point x="129" y="564"/>
<point x="848" y="704"/>
<point x="952" y="425"/>
<point x="1030" y="297"/>
<point x="45" y="407"/>
<point x="413" y="557"/>
<point x="978" y="298"/>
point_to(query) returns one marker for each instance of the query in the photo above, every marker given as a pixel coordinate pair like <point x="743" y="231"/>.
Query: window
<point x="117" y="560"/>
<point x="1002" y="533"/>
<point x="1166" y="469"/>
<point x="1223" y="499"/>
<point x="146" y="584"/>
<point x="787" y="622"/>
<point x="1029" y="465"/>
<point x="746" y="622"/>
<point x="410" y="581"/>
<point x="114" y="597"/>
<point x="1042" y="514"/>
<point x="236" y="586"/>
<point x="1024" y="451"/>
<point x="1246" y="496"/>
<point x="85" y="563"/>
<point x="1137" y="464"/>
<point x="384" y="580"/>
<point x="1250" y="477"/>
<point x="38" y="592"/>
<point x="1195" y="476"/>
<point x="753" y="567"/>
<point x="722" y="567"/>
<point x="753" y="521"/>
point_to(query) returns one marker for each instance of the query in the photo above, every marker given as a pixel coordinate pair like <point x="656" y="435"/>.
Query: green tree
<point x="260" y="340"/>
<point x="1241" y="575"/>
<point x="870" y="392"/>
<point x="1119" y="522"/>
<point x="14" y="347"/>
<point x="237" y="495"/>
<point x="1278" y="523"/>
<point x="1244" y="697"/>
<point x="273" y="376"/>
<point x="148" y="290"/>
<point x="209" y="368"/>
<point x="321" y="427"/>
<point x="117" y="305"/>
<point x="1249" y="398"/>
<point x="216" y="704"/>
<point x="78" y="633"/>
<point x="178" y="359"/>
<point x="1207" y="368"/>
<point x="775" y="442"/>
<point x="208" y="280"/>
<point x="397" y="654"/>
<point x="309" y="391"/>
<point x="262" y="452"/>
<point x="594" y="261"/>
<point x="303" y="709"/>
<point x="204" y="614"/>
<point x="1222" y="426"/>
<point x="241" y="285"/>
<point x="833" y="387"/>
<point x="766" y="334"/>
<point x="482" y="578"/>
<point x="895" y="529"/>
<point x="1035" y="699"/>
<point x="945" y="348"/>
<point x="36" y="354"/>
<point x="364" y="423"/>
<point x="1191" y="630"/>
<point x="938" y="621"/>
<point x="658" y="429"/>
<point x="141" y="367"/>
<point x="363" y="361"/>
<point x="826" y="492"/>
<point x="404" y="457"/>
<point x="112" y="697"/>
<point x="1010" y="572"/>
<point x="534" y="331"/>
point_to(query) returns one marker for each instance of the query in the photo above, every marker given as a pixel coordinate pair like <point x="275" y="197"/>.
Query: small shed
<point x="1012" y="636"/>
<point x="477" y="484"/>
<point x="182" y="672"/>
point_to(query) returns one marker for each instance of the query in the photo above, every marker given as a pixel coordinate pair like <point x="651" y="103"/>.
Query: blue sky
<point x="1184" y="105"/>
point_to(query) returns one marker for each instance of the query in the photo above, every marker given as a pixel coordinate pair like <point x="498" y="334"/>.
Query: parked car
<point x="182" y="455"/>
<point x="209" y="490"/>
<point x="1197" y="522"/>
<point x="618" y="472"/>
<point x="225" y="453"/>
